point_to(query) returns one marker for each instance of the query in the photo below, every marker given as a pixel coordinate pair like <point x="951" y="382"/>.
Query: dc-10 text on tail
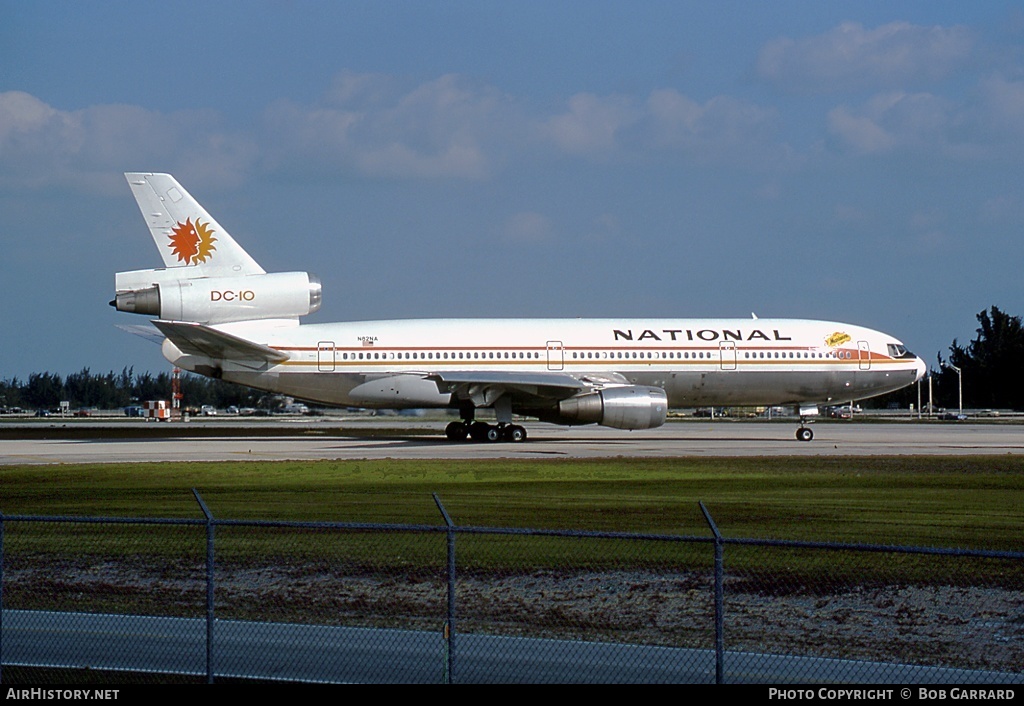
<point x="223" y="316"/>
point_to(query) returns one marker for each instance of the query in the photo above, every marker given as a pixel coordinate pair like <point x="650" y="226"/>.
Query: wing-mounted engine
<point x="621" y="407"/>
<point x="217" y="300"/>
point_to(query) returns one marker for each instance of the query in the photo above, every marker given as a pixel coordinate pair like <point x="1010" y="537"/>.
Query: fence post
<point x="209" y="586"/>
<point x="1" y="596"/>
<point x="719" y="598"/>
<point x="449" y="627"/>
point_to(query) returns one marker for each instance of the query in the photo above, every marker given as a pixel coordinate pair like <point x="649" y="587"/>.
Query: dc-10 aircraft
<point x="223" y="316"/>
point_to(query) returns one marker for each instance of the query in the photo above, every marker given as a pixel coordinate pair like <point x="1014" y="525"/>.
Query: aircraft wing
<point x="196" y="339"/>
<point x="484" y="386"/>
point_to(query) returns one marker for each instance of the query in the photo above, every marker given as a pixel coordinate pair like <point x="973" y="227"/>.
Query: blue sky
<point x="851" y="161"/>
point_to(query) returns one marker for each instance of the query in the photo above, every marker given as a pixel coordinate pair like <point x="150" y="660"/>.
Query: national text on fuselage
<point x="704" y="334"/>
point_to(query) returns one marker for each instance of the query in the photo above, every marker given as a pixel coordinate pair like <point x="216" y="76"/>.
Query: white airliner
<point x="225" y="317"/>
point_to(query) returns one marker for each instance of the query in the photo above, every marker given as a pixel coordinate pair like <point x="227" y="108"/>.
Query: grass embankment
<point x="975" y="502"/>
<point x="270" y="573"/>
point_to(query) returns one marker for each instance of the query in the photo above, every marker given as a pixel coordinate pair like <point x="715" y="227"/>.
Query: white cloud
<point x="851" y="214"/>
<point x="850" y="57"/>
<point x="454" y="159"/>
<point x="665" y="123"/>
<point x="442" y="128"/>
<point x="894" y="120"/>
<point x="454" y="128"/>
<point x="1003" y="209"/>
<point x="528" y="227"/>
<point x="604" y="228"/>
<point x="862" y="132"/>
<point x="989" y="124"/>
<point x="1002" y="106"/>
<point x="352" y="88"/>
<point x="446" y="127"/>
<point x="90" y="148"/>
<point x="722" y="126"/>
<point x="590" y="124"/>
<point x="22" y="114"/>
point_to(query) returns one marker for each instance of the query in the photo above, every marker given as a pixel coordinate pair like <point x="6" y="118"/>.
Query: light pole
<point x="959" y="385"/>
<point x="931" y="398"/>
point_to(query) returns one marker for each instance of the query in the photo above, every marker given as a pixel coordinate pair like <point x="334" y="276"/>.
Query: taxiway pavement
<point x="401" y="438"/>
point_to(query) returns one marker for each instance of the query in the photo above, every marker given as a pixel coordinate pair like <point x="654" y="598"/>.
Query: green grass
<point x="396" y="579"/>
<point x="975" y="502"/>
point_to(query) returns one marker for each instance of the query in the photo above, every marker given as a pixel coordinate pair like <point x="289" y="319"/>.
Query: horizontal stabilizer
<point x="143" y="332"/>
<point x="199" y="340"/>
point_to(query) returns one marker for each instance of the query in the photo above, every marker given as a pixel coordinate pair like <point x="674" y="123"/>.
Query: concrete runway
<point x="403" y="438"/>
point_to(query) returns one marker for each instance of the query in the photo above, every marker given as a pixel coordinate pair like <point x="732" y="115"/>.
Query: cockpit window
<point x="898" y="350"/>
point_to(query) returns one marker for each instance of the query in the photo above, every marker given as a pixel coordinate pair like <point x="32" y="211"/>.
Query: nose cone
<point x="921" y="368"/>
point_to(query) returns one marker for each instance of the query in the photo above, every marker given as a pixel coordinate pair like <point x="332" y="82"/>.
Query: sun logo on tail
<point x="192" y="243"/>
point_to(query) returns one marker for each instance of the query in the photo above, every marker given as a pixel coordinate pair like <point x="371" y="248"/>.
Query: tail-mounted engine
<point x="217" y="300"/>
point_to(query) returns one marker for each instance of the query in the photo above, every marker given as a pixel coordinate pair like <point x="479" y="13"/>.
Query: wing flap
<point x="542" y="385"/>
<point x="200" y="340"/>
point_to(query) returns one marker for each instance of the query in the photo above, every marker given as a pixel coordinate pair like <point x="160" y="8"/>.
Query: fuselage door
<point x="727" y="352"/>
<point x="864" y="354"/>
<point x="556" y="355"/>
<point x="325" y="356"/>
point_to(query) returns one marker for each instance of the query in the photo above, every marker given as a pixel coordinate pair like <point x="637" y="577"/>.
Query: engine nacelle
<point x="626" y="407"/>
<point x="218" y="300"/>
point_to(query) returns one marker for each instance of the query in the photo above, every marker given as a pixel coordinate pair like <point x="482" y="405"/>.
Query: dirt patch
<point x="949" y="626"/>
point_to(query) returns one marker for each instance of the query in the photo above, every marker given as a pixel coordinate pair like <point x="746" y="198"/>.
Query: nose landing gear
<point x="805" y="411"/>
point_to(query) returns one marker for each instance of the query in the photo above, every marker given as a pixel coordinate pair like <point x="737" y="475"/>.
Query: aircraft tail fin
<point x="207" y="277"/>
<point x="185" y="234"/>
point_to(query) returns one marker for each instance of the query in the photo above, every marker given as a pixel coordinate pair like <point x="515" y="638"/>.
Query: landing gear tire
<point x="482" y="431"/>
<point x="517" y="433"/>
<point x="513" y="433"/>
<point x="804" y="434"/>
<point x="456" y="431"/>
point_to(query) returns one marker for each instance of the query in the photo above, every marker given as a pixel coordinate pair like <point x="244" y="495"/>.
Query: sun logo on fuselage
<point x="837" y="339"/>
<point x="192" y="243"/>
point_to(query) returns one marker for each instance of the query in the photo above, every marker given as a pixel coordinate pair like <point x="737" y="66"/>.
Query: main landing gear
<point x="804" y="434"/>
<point x="482" y="431"/>
<point x="504" y="430"/>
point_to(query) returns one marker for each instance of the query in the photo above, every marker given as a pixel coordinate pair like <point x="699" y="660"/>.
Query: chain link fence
<point x="121" y="600"/>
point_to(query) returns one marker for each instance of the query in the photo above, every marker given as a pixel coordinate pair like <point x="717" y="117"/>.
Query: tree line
<point x="991" y="366"/>
<point x="988" y="371"/>
<point x="991" y="376"/>
<point x="111" y="390"/>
